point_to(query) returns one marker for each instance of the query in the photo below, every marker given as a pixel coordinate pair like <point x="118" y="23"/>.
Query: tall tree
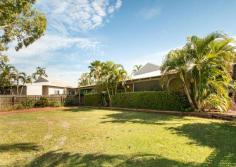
<point x="27" y="79"/>
<point x="110" y="76"/>
<point x="21" y="22"/>
<point x="40" y="72"/>
<point x="6" y="77"/>
<point x="204" y="65"/>
<point x="95" y="70"/>
<point x="85" y="79"/>
<point x="19" y="78"/>
<point x="136" y="68"/>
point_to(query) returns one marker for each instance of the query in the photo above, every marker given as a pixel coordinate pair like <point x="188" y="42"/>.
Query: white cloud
<point x="77" y="15"/>
<point x="66" y="45"/>
<point x="47" y="50"/>
<point x="150" y="13"/>
<point x="52" y="43"/>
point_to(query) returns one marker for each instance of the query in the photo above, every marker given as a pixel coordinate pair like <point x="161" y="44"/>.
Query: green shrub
<point x="92" y="100"/>
<point x="18" y="107"/>
<point x="28" y="103"/>
<point x="160" y="100"/>
<point x="54" y="104"/>
<point x="71" y="101"/>
<point x="42" y="102"/>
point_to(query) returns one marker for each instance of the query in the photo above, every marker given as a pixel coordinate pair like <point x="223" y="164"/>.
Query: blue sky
<point x="128" y="32"/>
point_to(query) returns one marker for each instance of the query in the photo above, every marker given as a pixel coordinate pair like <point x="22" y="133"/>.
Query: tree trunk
<point x="187" y="92"/>
<point x="21" y="89"/>
<point x="109" y="96"/>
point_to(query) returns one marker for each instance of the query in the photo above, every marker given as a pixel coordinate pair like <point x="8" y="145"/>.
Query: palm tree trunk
<point x="21" y="89"/>
<point x="187" y="92"/>
<point x="109" y="96"/>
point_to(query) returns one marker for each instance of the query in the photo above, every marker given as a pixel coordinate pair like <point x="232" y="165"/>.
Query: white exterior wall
<point x="34" y="90"/>
<point x="52" y="91"/>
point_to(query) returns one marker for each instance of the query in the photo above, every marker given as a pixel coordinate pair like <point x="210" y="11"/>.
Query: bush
<point x="28" y="103"/>
<point x="160" y="100"/>
<point x="42" y="102"/>
<point x="54" y="104"/>
<point x="71" y="101"/>
<point x="93" y="100"/>
<point x="19" y="107"/>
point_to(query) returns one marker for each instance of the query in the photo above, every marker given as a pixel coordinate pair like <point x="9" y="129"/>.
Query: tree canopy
<point x="20" y="21"/>
<point x="204" y="66"/>
<point x="106" y="75"/>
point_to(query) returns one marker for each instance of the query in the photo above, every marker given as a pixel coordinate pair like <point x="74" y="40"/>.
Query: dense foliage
<point x="204" y="66"/>
<point x="28" y="103"/>
<point x="71" y="101"/>
<point x="10" y="77"/>
<point x="93" y="99"/>
<point x="42" y="102"/>
<point x="107" y="76"/>
<point x="20" y="22"/>
<point x="160" y="100"/>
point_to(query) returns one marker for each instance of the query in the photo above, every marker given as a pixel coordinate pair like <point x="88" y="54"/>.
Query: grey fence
<point x="9" y="101"/>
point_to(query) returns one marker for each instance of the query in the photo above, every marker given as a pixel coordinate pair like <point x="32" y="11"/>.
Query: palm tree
<point x="6" y="76"/>
<point x="96" y="70"/>
<point x="19" y="77"/>
<point x="136" y="68"/>
<point x="40" y="72"/>
<point x="85" y="79"/>
<point x="177" y="62"/>
<point x="204" y="67"/>
<point x="25" y="80"/>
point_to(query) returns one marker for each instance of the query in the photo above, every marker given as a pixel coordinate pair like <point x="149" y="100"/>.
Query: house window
<point x="56" y="92"/>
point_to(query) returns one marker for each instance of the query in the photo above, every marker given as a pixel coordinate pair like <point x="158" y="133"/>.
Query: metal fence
<point x="9" y="101"/>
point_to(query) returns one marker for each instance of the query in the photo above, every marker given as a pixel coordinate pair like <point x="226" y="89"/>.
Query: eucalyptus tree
<point x="20" y="22"/>
<point x="204" y="65"/>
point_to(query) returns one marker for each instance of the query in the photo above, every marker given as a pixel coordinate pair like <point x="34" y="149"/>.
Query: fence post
<point x="61" y="100"/>
<point x="13" y="101"/>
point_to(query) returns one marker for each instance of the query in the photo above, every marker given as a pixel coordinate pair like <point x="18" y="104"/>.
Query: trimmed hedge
<point x="92" y="100"/>
<point x="71" y="101"/>
<point x="160" y="100"/>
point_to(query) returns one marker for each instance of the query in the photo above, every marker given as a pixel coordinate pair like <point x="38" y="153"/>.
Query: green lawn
<point x="87" y="137"/>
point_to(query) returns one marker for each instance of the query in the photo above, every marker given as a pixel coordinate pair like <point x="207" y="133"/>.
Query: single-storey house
<point x="148" y="78"/>
<point x="46" y="87"/>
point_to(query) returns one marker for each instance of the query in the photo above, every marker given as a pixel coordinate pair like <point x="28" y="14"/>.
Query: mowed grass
<point x="89" y="137"/>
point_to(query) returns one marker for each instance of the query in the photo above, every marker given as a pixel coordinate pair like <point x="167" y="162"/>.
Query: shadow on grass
<point x="219" y="136"/>
<point x="140" y="117"/>
<point x="23" y="147"/>
<point x="79" y="109"/>
<point x="54" y="158"/>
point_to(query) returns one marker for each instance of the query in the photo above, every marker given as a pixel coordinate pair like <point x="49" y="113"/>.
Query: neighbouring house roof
<point x="47" y="82"/>
<point x="147" y="71"/>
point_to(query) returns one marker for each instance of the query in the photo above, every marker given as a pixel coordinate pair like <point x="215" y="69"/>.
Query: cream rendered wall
<point x="34" y="90"/>
<point x="52" y="91"/>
